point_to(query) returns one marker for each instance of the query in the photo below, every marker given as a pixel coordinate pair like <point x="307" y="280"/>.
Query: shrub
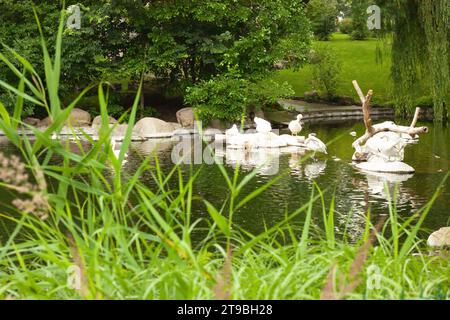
<point x="345" y="26"/>
<point x="325" y="71"/>
<point x="228" y="97"/>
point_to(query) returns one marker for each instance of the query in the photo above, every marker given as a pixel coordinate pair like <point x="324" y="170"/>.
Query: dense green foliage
<point x="346" y="26"/>
<point x="325" y="70"/>
<point x="344" y="8"/>
<point x="228" y="98"/>
<point x="323" y="15"/>
<point x="359" y="19"/>
<point x="180" y="43"/>
<point x="420" y="51"/>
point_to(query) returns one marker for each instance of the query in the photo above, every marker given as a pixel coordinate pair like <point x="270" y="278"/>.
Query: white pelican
<point x="386" y="147"/>
<point x="295" y="125"/>
<point x="315" y="144"/>
<point x="232" y="131"/>
<point x="262" y="126"/>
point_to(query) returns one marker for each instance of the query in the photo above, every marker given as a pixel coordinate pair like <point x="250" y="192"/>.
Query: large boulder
<point x="119" y="130"/>
<point x="175" y="125"/>
<point x="97" y="122"/>
<point x="439" y="238"/>
<point x="185" y="117"/>
<point x="152" y="126"/>
<point x="78" y="118"/>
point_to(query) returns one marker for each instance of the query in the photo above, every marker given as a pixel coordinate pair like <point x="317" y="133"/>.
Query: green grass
<point x="109" y="236"/>
<point x="367" y="61"/>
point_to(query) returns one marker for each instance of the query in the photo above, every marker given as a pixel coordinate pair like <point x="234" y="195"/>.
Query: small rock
<point x="185" y="117"/>
<point x="439" y="238"/>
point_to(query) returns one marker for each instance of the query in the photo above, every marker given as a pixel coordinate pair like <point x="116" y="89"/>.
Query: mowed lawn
<point x="366" y="61"/>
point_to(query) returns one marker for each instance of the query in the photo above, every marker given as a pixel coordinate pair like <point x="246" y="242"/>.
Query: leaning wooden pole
<point x="383" y="127"/>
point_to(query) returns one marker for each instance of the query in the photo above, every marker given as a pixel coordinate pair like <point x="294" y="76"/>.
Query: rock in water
<point x="388" y="167"/>
<point x="78" y="118"/>
<point x="185" y="117"/>
<point x="439" y="238"/>
<point x="97" y="122"/>
<point x="152" y="126"/>
<point x="119" y="130"/>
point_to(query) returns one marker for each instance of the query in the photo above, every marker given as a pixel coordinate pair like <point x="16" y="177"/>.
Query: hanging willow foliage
<point x="420" y="49"/>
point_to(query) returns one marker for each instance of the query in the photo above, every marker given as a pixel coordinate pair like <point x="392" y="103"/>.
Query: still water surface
<point x="354" y="191"/>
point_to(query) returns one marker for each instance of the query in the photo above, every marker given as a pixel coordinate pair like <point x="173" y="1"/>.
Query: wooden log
<point x="388" y="127"/>
<point x="384" y="127"/>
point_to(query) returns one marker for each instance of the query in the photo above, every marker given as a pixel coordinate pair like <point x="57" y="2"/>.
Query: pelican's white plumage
<point x="262" y="126"/>
<point x="315" y="144"/>
<point x="388" y="146"/>
<point x="232" y="131"/>
<point x="295" y="125"/>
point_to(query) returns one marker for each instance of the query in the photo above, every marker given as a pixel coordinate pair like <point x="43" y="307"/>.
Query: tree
<point x="344" y="8"/>
<point x="359" y="19"/>
<point x="326" y="69"/>
<point x="195" y="40"/>
<point x="180" y="42"/>
<point x="323" y="15"/>
<point x="420" y="51"/>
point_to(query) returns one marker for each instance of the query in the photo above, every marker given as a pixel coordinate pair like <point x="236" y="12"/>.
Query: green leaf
<point x="5" y="115"/>
<point x="219" y="219"/>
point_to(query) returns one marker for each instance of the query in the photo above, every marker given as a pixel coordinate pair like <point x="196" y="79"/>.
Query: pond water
<point x="354" y="191"/>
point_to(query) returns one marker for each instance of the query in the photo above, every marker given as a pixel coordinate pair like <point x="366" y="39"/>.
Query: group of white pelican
<point x="264" y="132"/>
